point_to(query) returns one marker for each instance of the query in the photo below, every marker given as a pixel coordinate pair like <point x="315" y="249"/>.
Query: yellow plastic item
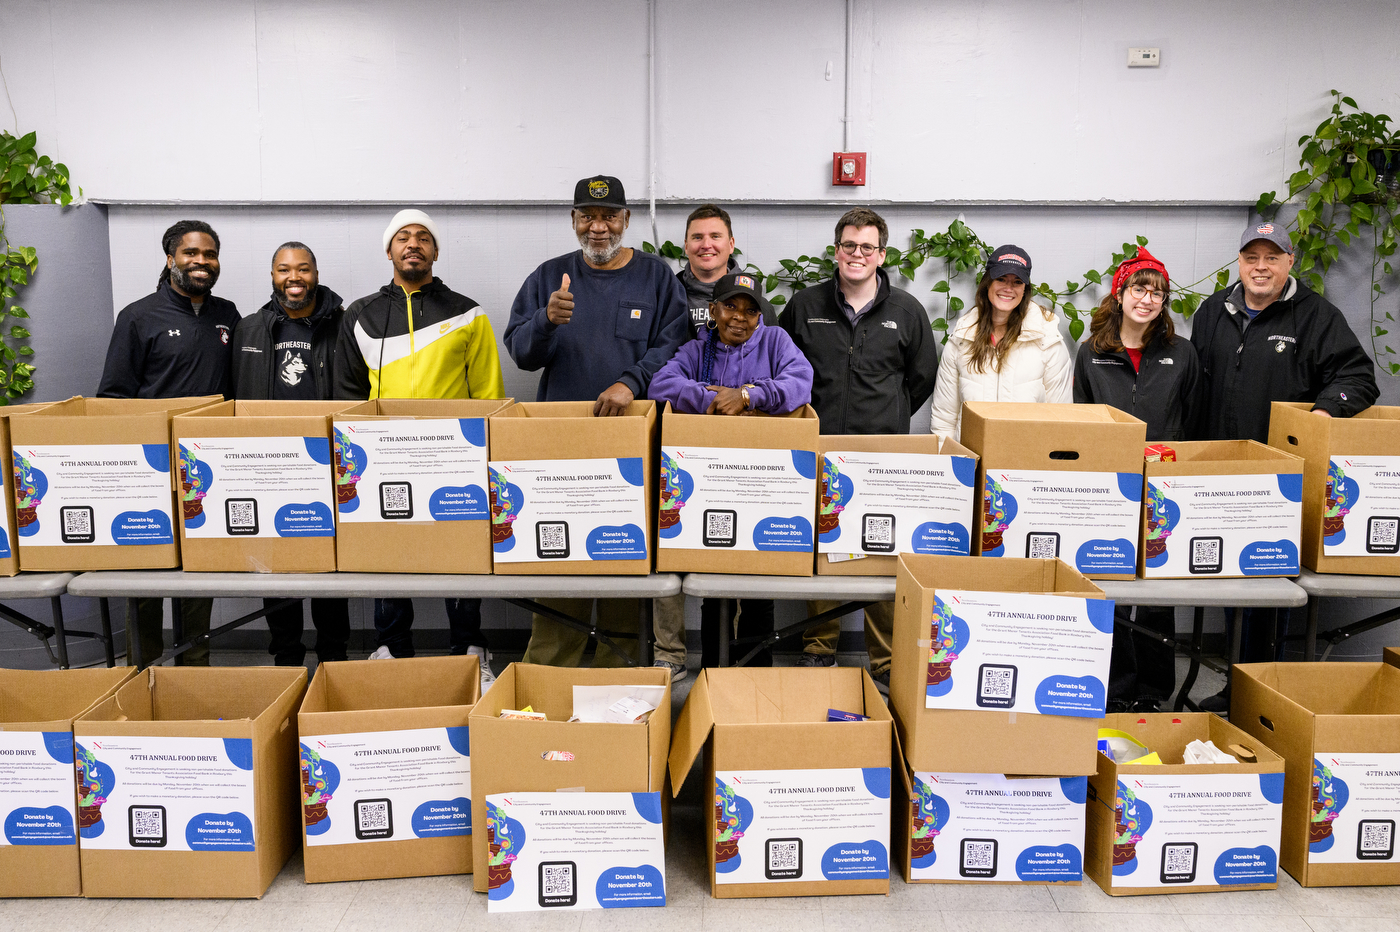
<point x="1147" y="759"/>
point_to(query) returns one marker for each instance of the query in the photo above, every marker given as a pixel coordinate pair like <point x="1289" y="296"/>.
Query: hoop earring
<point x="711" y="324"/>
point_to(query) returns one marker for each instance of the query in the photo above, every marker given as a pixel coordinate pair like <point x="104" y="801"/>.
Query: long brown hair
<point x="984" y="352"/>
<point x="1105" y="329"/>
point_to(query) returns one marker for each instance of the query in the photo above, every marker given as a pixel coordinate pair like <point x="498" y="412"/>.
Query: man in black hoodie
<point x="172" y="343"/>
<point x="286" y="352"/>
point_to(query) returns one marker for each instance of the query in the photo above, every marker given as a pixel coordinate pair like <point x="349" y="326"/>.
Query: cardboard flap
<point x="691" y="732"/>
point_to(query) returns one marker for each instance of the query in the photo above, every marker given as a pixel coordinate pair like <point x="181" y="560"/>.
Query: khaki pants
<point x="668" y="628"/>
<point x="559" y="645"/>
<point x="150" y="620"/>
<point x="879" y="632"/>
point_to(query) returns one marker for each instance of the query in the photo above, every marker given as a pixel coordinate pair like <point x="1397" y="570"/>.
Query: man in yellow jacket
<point x="417" y="338"/>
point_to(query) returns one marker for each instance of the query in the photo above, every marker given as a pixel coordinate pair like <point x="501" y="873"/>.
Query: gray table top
<point x="1334" y="585"/>
<point x="177" y="584"/>
<point x="1252" y="592"/>
<point x="34" y="585"/>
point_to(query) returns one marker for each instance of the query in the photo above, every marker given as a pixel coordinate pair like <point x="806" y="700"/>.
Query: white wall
<point x="956" y="100"/>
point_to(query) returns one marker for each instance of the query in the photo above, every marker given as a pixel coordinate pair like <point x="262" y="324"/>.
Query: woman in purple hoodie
<point x="738" y="366"/>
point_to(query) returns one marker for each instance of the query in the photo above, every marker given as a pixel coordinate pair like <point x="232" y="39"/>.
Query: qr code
<point x="1375" y="839"/>
<point x="395" y="500"/>
<point x="1205" y="554"/>
<point x="719" y="527"/>
<point x="1042" y="546"/>
<point x="145" y="826"/>
<point x="784" y="858"/>
<point x="77" y="522"/>
<point x="374" y="818"/>
<point x="979" y="857"/>
<point x="996" y="686"/>
<point x="1383" y="534"/>
<point x="1179" y="862"/>
<point x="557" y="884"/>
<point x="552" y="540"/>
<point x="877" y="534"/>
<point x="241" y="516"/>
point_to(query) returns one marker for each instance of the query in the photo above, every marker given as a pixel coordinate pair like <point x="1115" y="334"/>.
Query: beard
<point x="182" y="280"/>
<point x="600" y="256"/>
<point x="290" y="304"/>
<point x="411" y="275"/>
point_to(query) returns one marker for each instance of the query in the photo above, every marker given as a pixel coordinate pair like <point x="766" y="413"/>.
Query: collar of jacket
<point x="881" y="293"/>
<point x="688" y="279"/>
<point x="1034" y="326"/>
<point x="326" y="303"/>
<point x="395" y="293"/>
<point x="1234" y="299"/>
<point x="177" y="300"/>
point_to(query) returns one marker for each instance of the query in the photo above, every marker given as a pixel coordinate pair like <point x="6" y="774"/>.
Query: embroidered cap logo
<point x="597" y="189"/>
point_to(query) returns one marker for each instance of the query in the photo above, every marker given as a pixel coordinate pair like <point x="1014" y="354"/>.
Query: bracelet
<point x="744" y="393"/>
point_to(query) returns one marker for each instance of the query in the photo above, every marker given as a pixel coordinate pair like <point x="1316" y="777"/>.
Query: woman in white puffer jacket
<point x="1007" y="348"/>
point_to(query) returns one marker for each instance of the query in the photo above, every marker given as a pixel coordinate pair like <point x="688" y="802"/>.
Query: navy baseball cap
<point x="1009" y="260"/>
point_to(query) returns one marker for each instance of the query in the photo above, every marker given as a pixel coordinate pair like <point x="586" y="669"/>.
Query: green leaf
<point x="940" y="323"/>
<point x="942" y="287"/>
<point x="646" y="247"/>
<point x="777" y="300"/>
<point x="26" y="351"/>
<point x="18" y="332"/>
<point x="1094" y="277"/>
<point x="1076" y="330"/>
<point x="955" y="305"/>
<point x="1222" y="278"/>
<point x="1142" y="240"/>
<point x="906" y="272"/>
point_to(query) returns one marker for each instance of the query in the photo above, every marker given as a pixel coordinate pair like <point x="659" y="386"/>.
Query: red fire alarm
<point x="848" y="168"/>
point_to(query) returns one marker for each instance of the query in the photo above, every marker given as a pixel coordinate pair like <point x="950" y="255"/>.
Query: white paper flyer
<point x="233" y="487"/>
<point x="891" y="503"/>
<point x="1355" y="805"/>
<point x="1196" y="829"/>
<point x="989" y="827"/>
<point x="574" y="851"/>
<point x="737" y="499"/>
<point x="1017" y="652"/>
<point x="1361" y="507"/>
<point x="778" y="826"/>
<point x="568" y="510"/>
<point x="1088" y="519"/>
<point x="103" y="494"/>
<point x="386" y="785"/>
<point x="1245" y="525"/>
<point x="36" y="788"/>
<point x="169" y="794"/>
<point x="433" y="469"/>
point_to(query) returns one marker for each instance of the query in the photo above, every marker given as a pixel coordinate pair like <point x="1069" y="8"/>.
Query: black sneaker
<point x="809" y="659"/>
<point x="1219" y="703"/>
<point x="1146" y="705"/>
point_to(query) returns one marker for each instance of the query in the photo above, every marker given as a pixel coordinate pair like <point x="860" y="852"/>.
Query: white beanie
<point x="406" y="217"/>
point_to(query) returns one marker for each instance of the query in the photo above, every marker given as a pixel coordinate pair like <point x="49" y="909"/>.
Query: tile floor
<point x="445" y="904"/>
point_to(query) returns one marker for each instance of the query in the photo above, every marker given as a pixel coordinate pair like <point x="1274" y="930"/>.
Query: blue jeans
<point x="393" y="625"/>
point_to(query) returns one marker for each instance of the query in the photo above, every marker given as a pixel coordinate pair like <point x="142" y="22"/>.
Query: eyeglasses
<point x="865" y="249"/>
<point x="1150" y="295"/>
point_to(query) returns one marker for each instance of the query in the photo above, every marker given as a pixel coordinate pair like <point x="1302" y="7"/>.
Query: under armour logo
<point x="173" y="333"/>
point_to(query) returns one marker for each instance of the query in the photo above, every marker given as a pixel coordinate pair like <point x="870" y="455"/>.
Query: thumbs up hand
<point x="561" y="304"/>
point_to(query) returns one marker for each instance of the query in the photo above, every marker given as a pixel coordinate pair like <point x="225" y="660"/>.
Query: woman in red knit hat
<point x="1134" y="361"/>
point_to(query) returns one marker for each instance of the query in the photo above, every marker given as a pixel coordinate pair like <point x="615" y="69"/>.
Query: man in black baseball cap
<point x="600" y="191"/>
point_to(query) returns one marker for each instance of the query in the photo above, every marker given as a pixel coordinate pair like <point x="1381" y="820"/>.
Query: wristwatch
<point x="744" y="393"/>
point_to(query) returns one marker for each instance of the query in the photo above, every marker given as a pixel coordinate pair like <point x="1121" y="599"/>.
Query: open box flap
<point x="691" y="732"/>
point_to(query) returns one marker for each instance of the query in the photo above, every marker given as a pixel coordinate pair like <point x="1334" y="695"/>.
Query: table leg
<point x="133" y="634"/>
<point x="1198" y="628"/>
<point x="1310" y="635"/>
<point x="60" y="636"/>
<point x="106" y="611"/>
<point x="177" y="628"/>
<point x="724" y="623"/>
<point x="645" y="634"/>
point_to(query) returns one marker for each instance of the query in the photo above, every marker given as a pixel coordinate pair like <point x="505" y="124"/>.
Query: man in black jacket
<point x="286" y="352"/>
<point x="172" y="343"/>
<point x="1269" y="338"/>
<point x="875" y="359"/>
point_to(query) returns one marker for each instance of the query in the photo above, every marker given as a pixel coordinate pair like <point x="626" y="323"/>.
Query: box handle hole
<point x="1063" y="455"/>
<point x="1293" y="440"/>
<point x="1266" y="723"/>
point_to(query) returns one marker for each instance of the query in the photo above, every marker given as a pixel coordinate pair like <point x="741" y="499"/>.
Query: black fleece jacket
<point x="1164" y="391"/>
<point x="161" y="349"/>
<point x="253" y="365"/>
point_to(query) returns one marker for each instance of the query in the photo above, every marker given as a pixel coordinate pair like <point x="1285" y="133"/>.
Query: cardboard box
<point x="803" y="803"/>
<point x="1337" y="727"/>
<point x="573" y="494"/>
<point x="39" y="847"/>
<point x="983" y="827"/>
<point x="1058" y="481"/>
<point x="1221" y="508"/>
<point x="737" y="493"/>
<point x="994" y="738"/>
<point x="202" y="764"/>
<point x="508" y="755"/>
<point x="1392" y="656"/>
<point x="94" y="483"/>
<point x="255" y="486"/>
<point x="939" y="522"/>
<point x="1227" y="838"/>
<point x="411" y="487"/>
<point x="1351" y="496"/>
<point x="9" y="537"/>
<point x="397" y="733"/>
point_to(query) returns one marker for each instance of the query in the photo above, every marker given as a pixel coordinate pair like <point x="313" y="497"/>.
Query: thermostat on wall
<point x="1144" y="58"/>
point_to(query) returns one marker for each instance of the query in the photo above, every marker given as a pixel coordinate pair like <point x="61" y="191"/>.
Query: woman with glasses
<point x="1134" y="361"/>
<point x="1007" y="348"/>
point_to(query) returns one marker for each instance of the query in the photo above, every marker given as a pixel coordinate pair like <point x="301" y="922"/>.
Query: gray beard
<point x="600" y="256"/>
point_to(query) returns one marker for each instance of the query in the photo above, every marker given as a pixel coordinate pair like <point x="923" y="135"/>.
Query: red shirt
<point x="1136" y="356"/>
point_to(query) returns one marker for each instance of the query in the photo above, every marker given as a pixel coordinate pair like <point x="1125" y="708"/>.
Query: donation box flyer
<point x="1244" y="525"/>
<point x="1355" y="804"/>
<point x="411" y="470"/>
<point x="1088" y="519"/>
<point x="1019" y="653"/>
<point x="234" y="487"/>
<point x="1361" y="508"/>
<point x="593" y="509"/>
<point x="891" y="503"/>
<point x="574" y="851"/>
<point x="36" y="788"/>
<point x="386" y="785"/>
<point x="106" y="493"/>
<point x="1197" y="829"/>
<point x="171" y="794"/>
<point x="737" y="499"/>
<point x="986" y="826"/>
<point x="788" y="825"/>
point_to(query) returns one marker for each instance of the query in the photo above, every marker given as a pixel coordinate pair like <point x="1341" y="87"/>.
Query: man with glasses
<point x="1267" y="338"/>
<point x="875" y="358"/>
<point x="600" y="321"/>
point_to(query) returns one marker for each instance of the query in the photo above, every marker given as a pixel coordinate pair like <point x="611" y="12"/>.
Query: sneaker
<point x="809" y="659"/>
<point x="381" y="654"/>
<point x="882" y="683"/>
<point x="1145" y="705"/>
<point x="1219" y="703"/>
<point x="483" y="656"/>
<point x="678" y="670"/>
